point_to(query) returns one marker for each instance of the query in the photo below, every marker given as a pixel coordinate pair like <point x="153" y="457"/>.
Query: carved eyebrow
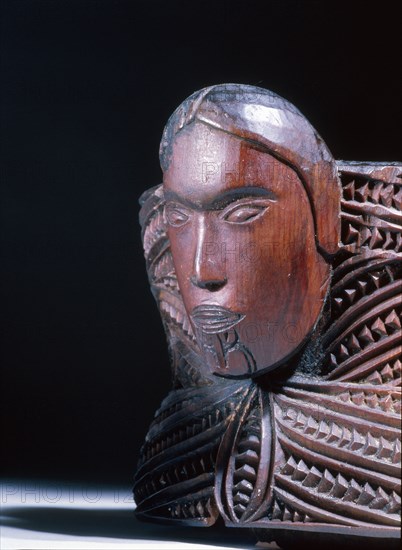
<point x="223" y="199"/>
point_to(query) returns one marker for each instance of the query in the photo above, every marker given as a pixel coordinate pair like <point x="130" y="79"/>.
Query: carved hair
<point x="260" y="116"/>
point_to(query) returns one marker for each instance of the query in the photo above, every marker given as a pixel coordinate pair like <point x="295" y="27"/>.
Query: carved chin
<point x="225" y="354"/>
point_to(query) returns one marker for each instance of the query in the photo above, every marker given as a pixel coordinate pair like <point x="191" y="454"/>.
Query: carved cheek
<point x="182" y="246"/>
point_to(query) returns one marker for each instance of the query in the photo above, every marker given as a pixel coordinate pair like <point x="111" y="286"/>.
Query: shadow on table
<point x="117" y="524"/>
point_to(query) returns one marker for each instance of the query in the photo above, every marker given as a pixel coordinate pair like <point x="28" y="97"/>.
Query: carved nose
<point x="210" y="285"/>
<point x="209" y="270"/>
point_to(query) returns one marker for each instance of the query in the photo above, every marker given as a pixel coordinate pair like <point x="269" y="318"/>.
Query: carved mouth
<point x="214" y="319"/>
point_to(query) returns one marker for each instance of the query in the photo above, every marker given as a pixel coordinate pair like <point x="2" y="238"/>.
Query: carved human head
<point x="252" y="210"/>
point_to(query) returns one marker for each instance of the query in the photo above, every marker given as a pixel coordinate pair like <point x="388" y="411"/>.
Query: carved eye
<point x="242" y="213"/>
<point x="176" y="216"/>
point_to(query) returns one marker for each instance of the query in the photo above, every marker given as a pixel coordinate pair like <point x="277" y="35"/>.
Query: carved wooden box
<point x="277" y="273"/>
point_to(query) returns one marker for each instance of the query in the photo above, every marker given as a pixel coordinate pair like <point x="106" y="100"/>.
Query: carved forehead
<point x="206" y="163"/>
<point x="262" y="117"/>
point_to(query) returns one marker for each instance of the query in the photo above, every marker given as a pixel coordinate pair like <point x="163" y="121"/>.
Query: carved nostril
<point x="211" y="285"/>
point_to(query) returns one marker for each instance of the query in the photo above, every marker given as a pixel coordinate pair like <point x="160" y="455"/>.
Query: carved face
<point x="242" y="239"/>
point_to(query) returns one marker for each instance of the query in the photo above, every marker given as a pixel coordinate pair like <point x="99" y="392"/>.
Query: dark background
<point x="86" y="89"/>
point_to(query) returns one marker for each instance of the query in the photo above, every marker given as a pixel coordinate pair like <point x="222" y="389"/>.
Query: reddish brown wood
<point x="277" y="273"/>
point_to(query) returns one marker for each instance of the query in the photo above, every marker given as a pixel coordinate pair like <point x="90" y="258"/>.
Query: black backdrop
<point x="87" y="86"/>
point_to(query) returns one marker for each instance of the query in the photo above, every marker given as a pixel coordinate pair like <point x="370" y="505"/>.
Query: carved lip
<point x="213" y="319"/>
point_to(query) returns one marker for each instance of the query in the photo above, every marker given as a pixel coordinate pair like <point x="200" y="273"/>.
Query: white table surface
<point x="52" y="515"/>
